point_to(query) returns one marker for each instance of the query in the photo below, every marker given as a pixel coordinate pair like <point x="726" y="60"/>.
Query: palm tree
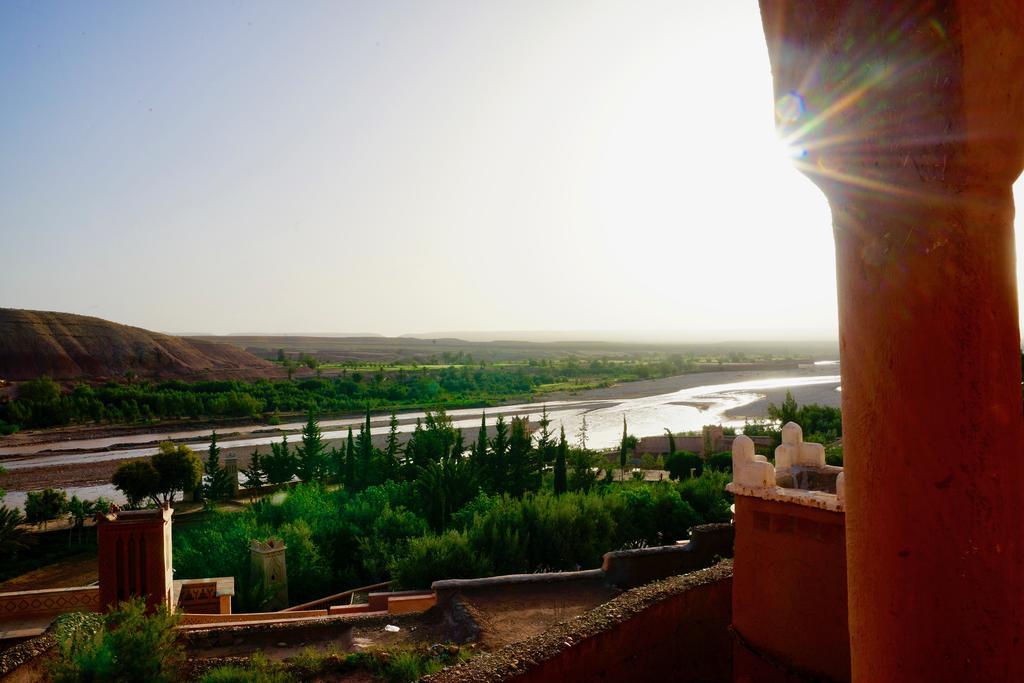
<point x="13" y="536"/>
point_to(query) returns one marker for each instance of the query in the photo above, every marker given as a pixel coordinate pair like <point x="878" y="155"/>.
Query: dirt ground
<point x="78" y="570"/>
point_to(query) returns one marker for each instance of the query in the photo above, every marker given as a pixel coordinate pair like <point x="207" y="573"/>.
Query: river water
<point x="687" y="409"/>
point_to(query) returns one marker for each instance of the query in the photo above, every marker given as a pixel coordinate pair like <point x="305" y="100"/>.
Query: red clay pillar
<point x="910" y="118"/>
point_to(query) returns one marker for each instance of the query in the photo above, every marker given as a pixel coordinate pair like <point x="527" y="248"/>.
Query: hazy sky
<point x="401" y="167"/>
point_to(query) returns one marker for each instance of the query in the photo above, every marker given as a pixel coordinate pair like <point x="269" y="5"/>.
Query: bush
<point x="429" y="558"/>
<point x="681" y="463"/>
<point x="129" y="646"/>
<point x="721" y="462"/>
<point x="707" y="495"/>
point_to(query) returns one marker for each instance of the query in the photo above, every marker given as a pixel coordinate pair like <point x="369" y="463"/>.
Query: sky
<point x="583" y="167"/>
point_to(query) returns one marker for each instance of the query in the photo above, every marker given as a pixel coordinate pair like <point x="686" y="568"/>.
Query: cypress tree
<point x="350" y="461"/>
<point x="622" y="451"/>
<point x="364" y="475"/>
<point x="544" y="441"/>
<point x="216" y="485"/>
<point x="478" y="454"/>
<point x="521" y="468"/>
<point x="309" y="456"/>
<point x="560" y="457"/>
<point x="498" y="470"/>
<point x="391" y="449"/>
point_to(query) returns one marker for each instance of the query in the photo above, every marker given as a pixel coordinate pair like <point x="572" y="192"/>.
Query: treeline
<point x="337" y="538"/>
<point x="41" y="403"/>
<point x="440" y="507"/>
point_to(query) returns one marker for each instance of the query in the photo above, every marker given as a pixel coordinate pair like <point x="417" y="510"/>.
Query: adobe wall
<point x="630" y="568"/>
<point x="675" y="629"/>
<point x="789" y="590"/>
<point x="49" y="602"/>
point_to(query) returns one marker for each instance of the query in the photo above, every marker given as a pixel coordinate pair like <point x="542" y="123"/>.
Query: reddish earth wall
<point x="675" y="629"/>
<point x="789" y="589"/>
<point x="684" y="637"/>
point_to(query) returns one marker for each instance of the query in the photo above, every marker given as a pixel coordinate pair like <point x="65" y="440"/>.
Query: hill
<point x="69" y="346"/>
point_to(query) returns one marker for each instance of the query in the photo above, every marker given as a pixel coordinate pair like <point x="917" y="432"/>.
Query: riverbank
<point x="681" y="403"/>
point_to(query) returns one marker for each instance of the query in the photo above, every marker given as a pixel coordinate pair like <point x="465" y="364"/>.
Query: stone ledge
<point x="811" y="499"/>
<point x="518" y="579"/>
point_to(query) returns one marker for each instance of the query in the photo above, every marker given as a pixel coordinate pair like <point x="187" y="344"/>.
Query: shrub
<point x="722" y="462"/>
<point x="129" y="646"/>
<point x="429" y="558"/>
<point x="706" y="494"/>
<point x="681" y="463"/>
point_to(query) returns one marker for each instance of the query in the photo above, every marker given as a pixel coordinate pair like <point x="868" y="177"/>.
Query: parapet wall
<point x="708" y="543"/>
<point x="49" y="602"/>
<point x="789" y="578"/>
<point x="674" y="629"/>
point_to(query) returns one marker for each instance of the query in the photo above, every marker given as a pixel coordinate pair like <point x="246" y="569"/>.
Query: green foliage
<point x="582" y="476"/>
<point x="129" y="646"/>
<point x="217" y="484"/>
<point x="13" y="538"/>
<point x="42" y="506"/>
<point x="40" y="403"/>
<point x="429" y="558"/>
<point x="310" y="461"/>
<point x="137" y="480"/>
<point x="680" y="464"/>
<point x="237" y="674"/>
<point x="561" y="483"/>
<point x="523" y="465"/>
<point x="279" y="465"/>
<point x="820" y="424"/>
<point x="706" y="495"/>
<point x="178" y="469"/>
<point x="722" y="462"/>
<point x="834" y="455"/>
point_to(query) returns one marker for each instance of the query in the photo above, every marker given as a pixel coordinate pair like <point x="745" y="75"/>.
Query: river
<point x="684" y="409"/>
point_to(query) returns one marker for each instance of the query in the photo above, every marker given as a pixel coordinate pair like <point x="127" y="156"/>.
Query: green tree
<point x="498" y="470"/>
<point x="217" y="483"/>
<point x="364" y="475"/>
<point x="561" y="453"/>
<point x="479" y="453"/>
<point x="623" y="450"/>
<point x="582" y="476"/>
<point x="545" y="440"/>
<point x="179" y="468"/>
<point x="350" y="461"/>
<point x="787" y="412"/>
<point x="253" y="476"/>
<point x="280" y="356"/>
<point x="671" y="441"/>
<point x="523" y="473"/>
<point x="445" y="487"/>
<point x="42" y="506"/>
<point x="78" y="511"/>
<point x="137" y="480"/>
<point x="13" y="538"/>
<point x="390" y="456"/>
<point x="279" y="463"/>
<point x="310" y="457"/>
<point x="582" y="434"/>
<point x="681" y="465"/>
<point x="41" y="390"/>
